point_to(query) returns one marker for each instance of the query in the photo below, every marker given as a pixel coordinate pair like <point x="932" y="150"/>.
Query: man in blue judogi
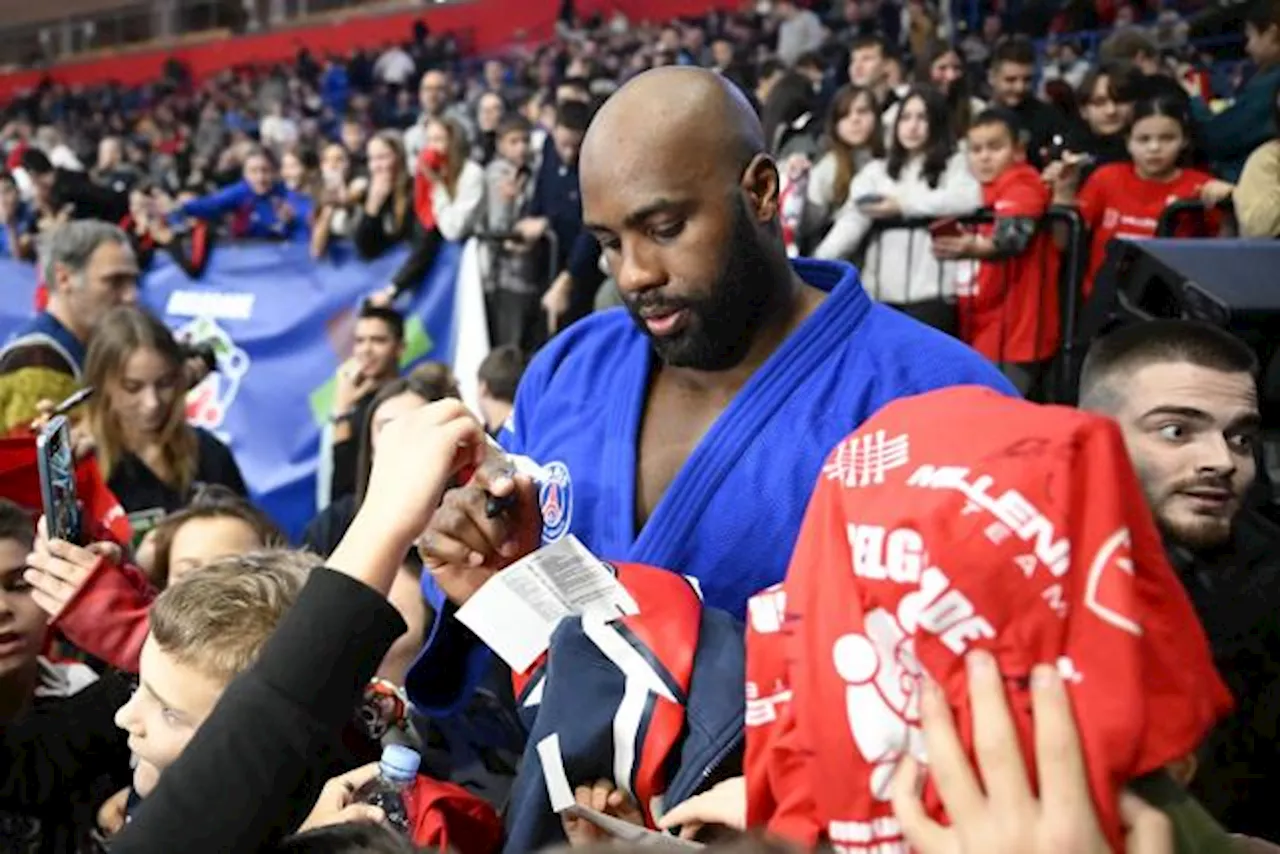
<point x="687" y="430"/>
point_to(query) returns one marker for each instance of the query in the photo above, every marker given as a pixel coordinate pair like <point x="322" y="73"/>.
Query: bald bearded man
<point x="687" y="430"/>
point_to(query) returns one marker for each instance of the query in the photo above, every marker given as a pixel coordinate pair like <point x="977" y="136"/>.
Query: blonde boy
<point x="205" y="630"/>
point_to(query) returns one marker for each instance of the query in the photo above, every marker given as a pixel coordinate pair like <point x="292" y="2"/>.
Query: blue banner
<point x="281" y="324"/>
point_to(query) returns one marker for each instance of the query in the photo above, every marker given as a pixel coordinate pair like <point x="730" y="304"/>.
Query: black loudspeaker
<point x="1229" y="283"/>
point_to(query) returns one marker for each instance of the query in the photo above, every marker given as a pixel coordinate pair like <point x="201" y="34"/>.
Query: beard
<point x="722" y="325"/>
<point x="1193" y="532"/>
<point x="1190" y="529"/>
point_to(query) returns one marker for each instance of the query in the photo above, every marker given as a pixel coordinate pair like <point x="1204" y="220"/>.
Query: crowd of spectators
<point x="418" y="145"/>
<point x="201" y="686"/>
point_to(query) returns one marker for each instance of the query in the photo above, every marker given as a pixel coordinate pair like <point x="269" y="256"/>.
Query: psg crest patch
<point x="555" y="496"/>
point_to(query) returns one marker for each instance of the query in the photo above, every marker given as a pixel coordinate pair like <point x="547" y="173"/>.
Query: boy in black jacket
<point x="56" y="767"/>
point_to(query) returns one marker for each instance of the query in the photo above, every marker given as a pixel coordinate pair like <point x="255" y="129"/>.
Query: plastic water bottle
<point x="389" y="791"/>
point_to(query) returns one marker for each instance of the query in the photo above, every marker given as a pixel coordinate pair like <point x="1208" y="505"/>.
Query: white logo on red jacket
<point x="864" y="459"/>
<point x="882" y="698"/>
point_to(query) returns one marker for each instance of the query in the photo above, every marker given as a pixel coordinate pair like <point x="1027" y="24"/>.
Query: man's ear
<point x="762" y="185"/>
<point x="61" y="278"/>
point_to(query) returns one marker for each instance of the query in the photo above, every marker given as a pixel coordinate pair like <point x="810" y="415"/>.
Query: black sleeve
<point x="345" y="456"/>
<point x="218" y="465"/>
<point x="423" y="247"/>
<point x="56" y="749"/>
<point x="242" y="775"/>
<point x="370" y="237"/>
<point x="1012" y="234"/>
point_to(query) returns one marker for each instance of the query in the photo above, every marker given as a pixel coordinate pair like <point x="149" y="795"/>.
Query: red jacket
<point x="1030" y="538"/>
<point x="446" y="817"/>
<point x="104" y="518"/>
<point x="1012" y="313"/>
<point x="108" y="616"/>
<point x="424" y="187"/>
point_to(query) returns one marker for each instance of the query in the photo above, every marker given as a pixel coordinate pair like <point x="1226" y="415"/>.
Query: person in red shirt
<point x="973" y="562"/>
<point x="1009" y="310"/>
<point x="1126" y="199"/>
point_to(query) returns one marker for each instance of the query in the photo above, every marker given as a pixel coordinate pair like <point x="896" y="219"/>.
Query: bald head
<point x="680" y="112"/>
<point x="678" y="187"/>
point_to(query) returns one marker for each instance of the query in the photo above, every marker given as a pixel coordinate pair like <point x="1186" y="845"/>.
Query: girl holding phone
<point x="923" y="176"/>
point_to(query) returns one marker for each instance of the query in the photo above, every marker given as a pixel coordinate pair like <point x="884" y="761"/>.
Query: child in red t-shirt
<point x="1127" y="199"/>
<point x="1009" y="312"/>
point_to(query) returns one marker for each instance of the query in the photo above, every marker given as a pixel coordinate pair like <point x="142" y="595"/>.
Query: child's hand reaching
<point x="723" y="805"/>
<point x="418" y="454"/>
<point x="1214" y="193"/>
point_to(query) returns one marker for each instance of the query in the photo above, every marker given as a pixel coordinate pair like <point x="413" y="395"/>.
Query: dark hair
<point x="841" y="103"/>
<point x="353" y="837"/>
<point x="864" y="42"/>
<point x="6" y="177"/>
<point x="810" y="59"/>
<point x="411" y="384"/>
<point x="1171" y="107"/>
<point x="438" y="380"/>
<point x="1263" y="14"/>
<point x="1123" y="82"/>
<point x="513" y="123"/>
<point x="791" y="98"/>
<point x="16" y="524"/>
<point x="1129" y="348"/>
<point x="770" y="67"/>
<point x="940" y="145"/>
<point x="501" y="371"/>
<point x="1126" y="46"/>
<point x="581" y="84"/>
<point x="36" y="162"/>
<point x="1017" y="49"/>
<point x="573" y="115"/>
<point x="212" y="501"/>
<point x="1002" y="116"/>
<point x="959" y="105"/>
<point x="1059" y="95"/>
<point x="389" y="316"/>
<point x="256" y="150"/>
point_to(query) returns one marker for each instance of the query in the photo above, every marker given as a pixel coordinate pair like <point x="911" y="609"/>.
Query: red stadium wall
<point x="489" y="24"/>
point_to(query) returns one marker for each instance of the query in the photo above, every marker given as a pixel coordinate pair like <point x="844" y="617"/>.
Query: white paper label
<point x="515" y="611"/>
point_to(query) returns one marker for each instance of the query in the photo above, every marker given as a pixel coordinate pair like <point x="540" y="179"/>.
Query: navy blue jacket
<point x="557" y="197"/>
<point x="669" y="747"/>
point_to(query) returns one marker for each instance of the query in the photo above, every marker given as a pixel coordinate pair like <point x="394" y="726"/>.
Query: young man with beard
<point x="1186" y="398"/>
<point x="375" y="359"/>
<point x="687" y="430"/>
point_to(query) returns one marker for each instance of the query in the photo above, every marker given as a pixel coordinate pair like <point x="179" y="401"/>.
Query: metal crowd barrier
<point x="510" y="323"/>
<point x="498" y="240"/>
<point x="1178" y="213"/>
<point x="948" y="301"/>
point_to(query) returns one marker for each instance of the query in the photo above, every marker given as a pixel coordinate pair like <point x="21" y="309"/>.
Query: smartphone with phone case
<point x="56" y="462"/>
<point x="948" y="227"/>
